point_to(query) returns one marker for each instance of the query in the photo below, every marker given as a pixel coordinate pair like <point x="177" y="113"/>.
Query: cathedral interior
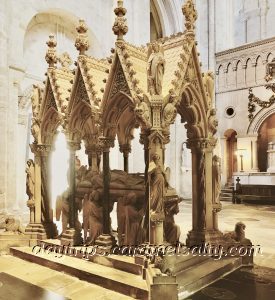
<point x="137" y="149"/>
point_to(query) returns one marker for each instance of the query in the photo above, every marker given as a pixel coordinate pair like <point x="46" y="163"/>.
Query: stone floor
<point x="68" y="286"/>
<point x="259" y="220"/>
<point x="240" y="285"/>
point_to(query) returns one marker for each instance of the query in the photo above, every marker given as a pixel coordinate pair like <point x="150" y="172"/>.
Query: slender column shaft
<point x="37" y="189"/>
<point x="72" y="211"/>
<point x="126" y="162"/>
<point x="106" y="192"/>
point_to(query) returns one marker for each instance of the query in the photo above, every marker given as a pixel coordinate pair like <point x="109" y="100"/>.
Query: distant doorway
<point x="231" y="158"/>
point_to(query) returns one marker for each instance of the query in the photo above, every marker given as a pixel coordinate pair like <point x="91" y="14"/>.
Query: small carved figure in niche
<point x="169" y="112"/>
<point x="30" y="180"/>
<point x="158" y="185"/>
<point x="13" y="225"/>
<point x="36" y="100"/>
<point x="86" y="215"/>
<point x="155" y="69"/>
<point x="208" y="82"/>
<point x="212" y="123"/>
<point x="216" y="178"/>
<point x="171" y="230"/>
<point x="65" y="60"/>
<point x="35" y="129"/>
<point x="62" y="209"/>
<point x="143" y="113"/>
<point x="96" y="217"/>
<point x="133" y="218"/>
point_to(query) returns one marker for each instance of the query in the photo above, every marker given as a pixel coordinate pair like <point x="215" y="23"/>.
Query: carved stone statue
<point x="158" y="185"/>
<point x="155" y="69"/>
<point x="169" y="112"/>
<point x="171" y="230"/>
<point x="238" y="235"/>
<point x="96" y="217"/>
<point x="62" y="209"/>
<point x="216" y="177"/>
<point x="65" y="60"/>
<point x="212" y="123"/>
<point x="133" y="218"/>
<point x="143" y="113"/>
<point x="35" y="129"/>
<point x="13" y="225"/>
<point x="30" y="179"/>
<point x="208" y="82"/>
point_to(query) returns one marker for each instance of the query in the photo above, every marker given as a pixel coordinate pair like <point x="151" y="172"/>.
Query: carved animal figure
<point x="13" y="225"/>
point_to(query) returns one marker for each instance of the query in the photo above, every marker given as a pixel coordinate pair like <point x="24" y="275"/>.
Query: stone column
<point x="125" y="149"/>
<point x="271" y="157"/>
<point x="72" y="236"/>
<point x="4" y="104"/>
<point x="106" y="240"/>
<point x="204" y="225"/>
<point x="254" y="155"/>
<point x="92" y="152"/>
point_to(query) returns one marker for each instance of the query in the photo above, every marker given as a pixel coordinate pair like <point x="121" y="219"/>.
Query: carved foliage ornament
<point x="190" y="13"/>
<point x="51" y="57"/>
<point x="120" y="27"/>
<point x="82" y="42"/>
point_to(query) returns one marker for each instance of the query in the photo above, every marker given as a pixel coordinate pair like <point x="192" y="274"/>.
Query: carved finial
<point x="82" y="42"/>
<point x="51" y="57"/>
<point x="190" y="13"/>
<point x="120" y="27"/>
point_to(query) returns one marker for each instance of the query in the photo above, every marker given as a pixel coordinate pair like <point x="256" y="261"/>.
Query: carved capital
<point x="82" y="42"/>
<point x="201" y="145"/>
<point x="51" y="57"/>
<point x="106" y="143"/>
<point x="73" y="145"/>
<point x="125" y="149"/>
<point x="40" y="149"/>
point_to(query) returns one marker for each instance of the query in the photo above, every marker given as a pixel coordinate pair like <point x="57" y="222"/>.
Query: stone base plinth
<point x="37" y="232"/>
<point x="71" y="237"/>
<point x="197" y="238"/>
<point x="104" y="243"/>
<point x="9" y="239"/>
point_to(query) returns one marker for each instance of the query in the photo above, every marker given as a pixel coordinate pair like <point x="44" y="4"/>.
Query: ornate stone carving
<point x="65" y="60"/>
<point x="212" y="123"/>
<point x="208" y="82"/>
<point x="169" y="112"/>
<point x="120" y="27"/>
<point x="190" y="13"/>
<point x="95" y="218"/>
<point x="82" y="42"/>
<point x="120" y="83"/>
<point x="171" y="229"/>
<point x="36" y="100"/>
<point x="158" y="185"/>
<point x="35" y="129"/>
<point x="155" y="68"/>
<point x="14" y="226"/>
<point x="106" y="143"/>
<point x="133" y="217"/>
<point x="51" y="57"/>
<point x="143" y="114"/>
